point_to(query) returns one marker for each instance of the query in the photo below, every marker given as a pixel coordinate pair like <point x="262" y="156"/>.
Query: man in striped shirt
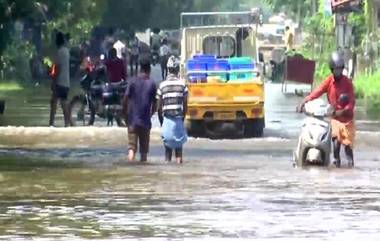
<point x="172" y="108"/>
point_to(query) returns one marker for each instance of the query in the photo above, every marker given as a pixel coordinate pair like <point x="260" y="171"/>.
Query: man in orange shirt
<point x="340" y="95"/>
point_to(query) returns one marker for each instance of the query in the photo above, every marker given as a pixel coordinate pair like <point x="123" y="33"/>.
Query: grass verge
<point x="367" y="87"/>
<point x="10" y="86"/>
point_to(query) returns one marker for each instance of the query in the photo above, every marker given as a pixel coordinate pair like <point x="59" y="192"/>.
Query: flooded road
<point x="244" y="190"/>
<point x="72" y="184"/>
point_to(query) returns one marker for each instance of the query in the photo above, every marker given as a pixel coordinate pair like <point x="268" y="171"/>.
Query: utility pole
<point x="343" y="31"/>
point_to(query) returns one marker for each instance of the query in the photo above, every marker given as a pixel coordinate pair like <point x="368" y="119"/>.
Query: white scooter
<point x="314" y="144"/>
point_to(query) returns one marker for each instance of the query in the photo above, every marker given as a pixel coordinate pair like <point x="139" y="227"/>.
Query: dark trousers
<point x="134" y="62"/>
<point x="164" y="68"/>
<point x="169" y="152"/>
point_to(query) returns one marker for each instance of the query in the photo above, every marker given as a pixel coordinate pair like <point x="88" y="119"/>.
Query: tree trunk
<point x="369" y="16"/>
<point x="371" y="22"/>
<point x="299" y="11"/>
<point x="314" y="7"/>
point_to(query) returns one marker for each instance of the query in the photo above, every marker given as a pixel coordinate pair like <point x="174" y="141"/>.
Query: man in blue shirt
<point x="139" y="107"/>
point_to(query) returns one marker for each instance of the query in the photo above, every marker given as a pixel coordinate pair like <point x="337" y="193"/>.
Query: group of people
<point x="142" y="99"/>
<point x="158" y="46"/>
<point x="60" y="75"/>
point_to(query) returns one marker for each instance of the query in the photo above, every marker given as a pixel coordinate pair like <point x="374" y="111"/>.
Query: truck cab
<point x="220" y="63"/>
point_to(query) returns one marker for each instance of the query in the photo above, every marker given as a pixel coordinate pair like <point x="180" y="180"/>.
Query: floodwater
<point x="75" y="183"/>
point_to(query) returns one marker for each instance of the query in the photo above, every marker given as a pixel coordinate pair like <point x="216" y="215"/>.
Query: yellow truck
<point x="219" y="60"/>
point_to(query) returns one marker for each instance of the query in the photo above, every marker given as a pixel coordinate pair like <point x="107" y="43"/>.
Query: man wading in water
<point x="340" y="94"/>
<point x="172" y="108"/>
<point x="139" y="106"/>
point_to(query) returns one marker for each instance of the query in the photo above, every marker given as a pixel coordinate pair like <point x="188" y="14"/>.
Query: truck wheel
<point x="194" y="128"/>
<point x="254" y="127"/>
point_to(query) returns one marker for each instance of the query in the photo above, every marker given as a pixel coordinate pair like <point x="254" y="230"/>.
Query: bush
<point x="10" y="86"/>
<point x="15" y="61"/>
<point x="368" y="87"/>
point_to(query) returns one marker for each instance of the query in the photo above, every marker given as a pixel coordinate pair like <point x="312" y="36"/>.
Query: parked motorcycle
<point x="99" y="98"/>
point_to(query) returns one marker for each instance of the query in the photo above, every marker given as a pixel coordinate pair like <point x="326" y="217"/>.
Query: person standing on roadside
<point x="60" y="85"/>
<point x="139" y="106"/>
<point x="172" y="108"/>
<point x="289" y="39"/>
<point x="164" y="55"/>
<point x="134" y="55"/>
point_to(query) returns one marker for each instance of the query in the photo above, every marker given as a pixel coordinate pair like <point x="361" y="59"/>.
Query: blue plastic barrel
<point x="193" y="65"/>
<point x="197" y="78"/>
<point x="243" y="67"/>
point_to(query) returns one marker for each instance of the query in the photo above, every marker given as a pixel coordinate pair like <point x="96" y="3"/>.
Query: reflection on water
<point x="94" y="193"/>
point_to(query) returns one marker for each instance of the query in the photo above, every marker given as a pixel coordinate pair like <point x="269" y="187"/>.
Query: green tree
<point x="136" y="15"/>
<point x="74" y="17"/>
<point x="298" y="9"/>
<point x="129" y="15"/>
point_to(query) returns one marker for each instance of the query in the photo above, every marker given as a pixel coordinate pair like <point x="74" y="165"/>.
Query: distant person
<point x="139" y="106"/>
<point x="120" y="48"/>
<point x="289" y="39"/>
<point x="108" y="42"/>
<point x="155" y="40"/>
<point x="134" y="55"/>
<point x="60" y="85"/>
<point x="164" y="55"/>
<point x="172" y="108"/>
<point x="116" y="71"/>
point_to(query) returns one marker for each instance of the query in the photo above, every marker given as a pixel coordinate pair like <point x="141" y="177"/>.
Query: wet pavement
<point x="71" y="184"/>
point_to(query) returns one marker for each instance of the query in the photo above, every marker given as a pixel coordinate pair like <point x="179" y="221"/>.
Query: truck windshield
<point x="219" y="46"/>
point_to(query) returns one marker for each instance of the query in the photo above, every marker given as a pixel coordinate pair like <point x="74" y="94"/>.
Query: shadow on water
<point x="22" y="159"/>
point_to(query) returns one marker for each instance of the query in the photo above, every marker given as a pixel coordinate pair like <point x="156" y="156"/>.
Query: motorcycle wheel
<point x="81" y="113"/>
<point x="120" y="121"/>
<point x="116" y="117"/>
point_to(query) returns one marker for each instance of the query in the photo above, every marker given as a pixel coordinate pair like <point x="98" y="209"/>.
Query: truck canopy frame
<point x="202" y="19"/>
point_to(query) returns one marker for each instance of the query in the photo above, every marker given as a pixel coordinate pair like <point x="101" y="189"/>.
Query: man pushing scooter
<point x="340" y="95"/>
